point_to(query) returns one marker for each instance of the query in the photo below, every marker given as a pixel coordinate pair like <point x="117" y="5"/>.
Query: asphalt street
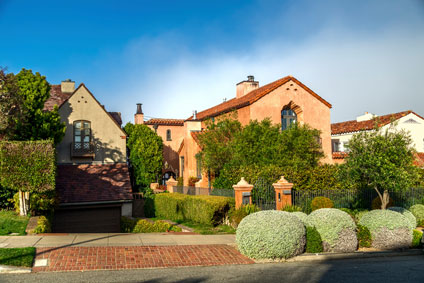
<point x="396" y="269"/>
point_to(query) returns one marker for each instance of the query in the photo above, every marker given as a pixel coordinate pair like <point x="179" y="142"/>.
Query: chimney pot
<point x="139" y="116"/>
<point x="139" y="110"/>
<point x="250" y="78"/>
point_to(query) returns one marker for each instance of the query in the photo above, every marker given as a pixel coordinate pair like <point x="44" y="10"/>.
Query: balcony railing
<point x="82" y="149"/>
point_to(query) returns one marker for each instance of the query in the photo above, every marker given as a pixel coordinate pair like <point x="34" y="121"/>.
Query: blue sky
<point x="180" y="56"/>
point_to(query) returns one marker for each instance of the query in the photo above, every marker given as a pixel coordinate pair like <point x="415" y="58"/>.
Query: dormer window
<point x="288" y="117"/>
<point x="82" y="142"/>
<point x="168" y="135"/>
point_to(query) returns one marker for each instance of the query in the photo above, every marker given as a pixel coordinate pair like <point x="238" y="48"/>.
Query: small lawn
<point x="10" y="222"/>
<point x="17" y="256"/>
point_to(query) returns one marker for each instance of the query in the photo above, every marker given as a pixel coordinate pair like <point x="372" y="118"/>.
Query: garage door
<point x="88" y="219"/>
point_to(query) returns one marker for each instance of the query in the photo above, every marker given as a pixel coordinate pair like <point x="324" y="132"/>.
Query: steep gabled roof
<point x="253" y="96"/>
<point x="117" y="117"/>
<point x="165" y="122"/>
<point x="57" y="97"/>
<point x="354" y="126"/>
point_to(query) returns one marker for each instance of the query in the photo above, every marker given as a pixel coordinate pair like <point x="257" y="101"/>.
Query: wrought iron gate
<point x="263" y="195"/>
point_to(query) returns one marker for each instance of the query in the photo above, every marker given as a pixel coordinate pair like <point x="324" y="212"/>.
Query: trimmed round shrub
<point x="336" y="228"/>
<point x="389" y="229"/>
<point x="321" y="202"/>
<point x="271" y="234"/>
<point x="348" y="211"/>
<point x="301" y="215"/>
<point x="364" y="237"/>
<point x="376" y="203"/>
<point x="418" y="211"/>
<point x="411" y="218"/>
<point x="417" y="236"/>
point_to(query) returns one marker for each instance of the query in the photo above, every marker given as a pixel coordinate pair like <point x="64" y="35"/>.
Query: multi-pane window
<point x="335" y="144"/>
<point x="82" y="135"/>
<point x="199" y="167"/>
<point x="288" y="117"/>
<point x="168" y="135"/>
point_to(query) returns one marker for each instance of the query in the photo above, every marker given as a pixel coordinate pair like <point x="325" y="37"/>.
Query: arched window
<point x="168" y="135"/>
<point x="288" y="117"/>
<point x="82" y="135"/>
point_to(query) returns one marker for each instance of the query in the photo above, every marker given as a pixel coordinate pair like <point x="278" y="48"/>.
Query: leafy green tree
<point x="37" y="123"/>
<point x="11" y="105"/>
<point x="257" y="150"/>
<point x="27" y="167"/>
<point x="381" y="160"/>
<point x="146" y="157"/>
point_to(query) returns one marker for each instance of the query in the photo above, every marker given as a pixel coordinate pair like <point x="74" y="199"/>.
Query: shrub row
<point x="43" y="225"/>
<point x="210" y="210"/>
<point x="129" y="225"/>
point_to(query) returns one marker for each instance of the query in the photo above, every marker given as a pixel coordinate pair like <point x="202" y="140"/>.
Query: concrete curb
<point x="339" y="256"/>
<point x="355" y="255"/>
<point x="14" y="269"/>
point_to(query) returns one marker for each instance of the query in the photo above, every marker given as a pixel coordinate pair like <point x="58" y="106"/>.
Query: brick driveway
<point x="134" y="257"/>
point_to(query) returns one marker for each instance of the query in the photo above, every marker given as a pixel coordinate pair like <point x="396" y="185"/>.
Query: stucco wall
<point x="313" y="111"/>
<point x="170" y="148"/>
<point x="109" y="140"/>
<point x="190" y="150"/>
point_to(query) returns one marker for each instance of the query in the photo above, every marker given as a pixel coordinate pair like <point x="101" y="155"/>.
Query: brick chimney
<point x="139" y="116"/>
<point x="245" y="87"/>
<point x="67" y="86"/>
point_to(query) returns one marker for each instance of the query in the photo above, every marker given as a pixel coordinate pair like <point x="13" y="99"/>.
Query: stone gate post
<point x="283" y="194"/>
<point x="170" y="184"/>
<point x="242" y="190"/>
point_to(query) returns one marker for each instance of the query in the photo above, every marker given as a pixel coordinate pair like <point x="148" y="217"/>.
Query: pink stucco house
<point x="283" y="101"/>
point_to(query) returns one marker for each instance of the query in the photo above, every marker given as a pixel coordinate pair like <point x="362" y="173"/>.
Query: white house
<point x="342" y="132"/>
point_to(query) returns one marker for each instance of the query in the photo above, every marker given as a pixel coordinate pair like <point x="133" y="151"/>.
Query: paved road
<point x="397" y="269"/>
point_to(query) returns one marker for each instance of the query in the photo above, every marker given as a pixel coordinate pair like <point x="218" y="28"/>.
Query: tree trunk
<point x="385" y="199"/>
<point x="23" y="203"/>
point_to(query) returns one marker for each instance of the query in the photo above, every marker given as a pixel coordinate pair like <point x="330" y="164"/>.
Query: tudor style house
<point x="93" y="182"/>
<point x="283" y="101"/>
<point x="409" y="121"/>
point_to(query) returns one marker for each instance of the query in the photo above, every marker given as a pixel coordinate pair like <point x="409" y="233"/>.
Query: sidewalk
<point x="114" y="240"/>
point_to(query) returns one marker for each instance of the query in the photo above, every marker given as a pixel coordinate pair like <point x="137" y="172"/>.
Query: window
<point x="335" y="144"/>
<point x="82" y="135"/>
<point x="345" y="146"/>
<point x="182" y="166"/>
<point x="288" y="117"/>
<point x="168" y="135"/>
<point x="199" y="166"/>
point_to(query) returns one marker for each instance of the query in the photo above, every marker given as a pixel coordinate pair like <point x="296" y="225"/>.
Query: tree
<point x="146" y="157"/>
<point x="259" y="149"/>
<point x="27" y="167"/>
<point x="381" y="160"/>
<point x="37" y="124"/>
<point x="11" y="105"/>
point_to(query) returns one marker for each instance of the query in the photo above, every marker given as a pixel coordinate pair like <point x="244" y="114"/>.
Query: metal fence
<point x="263" y="195"/>
<point x="204" y="191"/>
<point x="355" y="198"/>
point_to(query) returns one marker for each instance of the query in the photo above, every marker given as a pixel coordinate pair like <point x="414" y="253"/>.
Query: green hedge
<point x="202" y="209"/>
<point x="29" y="166"/>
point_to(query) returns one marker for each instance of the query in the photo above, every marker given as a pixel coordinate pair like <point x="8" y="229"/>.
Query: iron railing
<point x="82" y="149"/>
<point x="263" y="195"/>
<point x="204" y="191"/>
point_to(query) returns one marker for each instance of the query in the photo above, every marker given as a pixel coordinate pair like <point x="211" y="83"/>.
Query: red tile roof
<point x="195" y="135"/>
<point x="419" y="161"/>
<point x="252" y="97"/>
<point x="339" y="155"/>
<point x="165" y="122"/>
<point x="57" y="97"/>
<point x="354" y="126"/>
<point x="93" y="183"/>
